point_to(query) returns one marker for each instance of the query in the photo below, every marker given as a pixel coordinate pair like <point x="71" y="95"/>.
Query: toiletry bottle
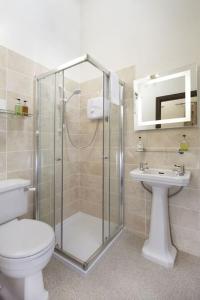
<point x="25" y="109"/>
<point x="140" y="146"/>
<point x="184" y="146"/>
<point x="18" y="108"/>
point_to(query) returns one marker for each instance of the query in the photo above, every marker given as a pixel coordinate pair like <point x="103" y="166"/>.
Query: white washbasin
<point x="161" y="177"/>
<point x="159" y="248"/>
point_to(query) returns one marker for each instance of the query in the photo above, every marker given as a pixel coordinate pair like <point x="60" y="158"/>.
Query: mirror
<point x="166" y="100"/>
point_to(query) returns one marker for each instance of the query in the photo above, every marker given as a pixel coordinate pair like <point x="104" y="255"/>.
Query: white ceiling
<point x="47" y="31"/>
<point x="153" y="35"/>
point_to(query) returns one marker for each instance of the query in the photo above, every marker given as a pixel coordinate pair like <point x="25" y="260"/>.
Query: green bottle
<point x="18" y="108"/>
<point x="184" y="144"/>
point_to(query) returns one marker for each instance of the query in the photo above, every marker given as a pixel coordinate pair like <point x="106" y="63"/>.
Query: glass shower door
<point x="58" y="159"/>
<point x="82" y="163"/>
<point x="45" y="149"/>
<point x="79" y="160"/>
<point x="113" y="163"/>
<point x="116" y="163"/>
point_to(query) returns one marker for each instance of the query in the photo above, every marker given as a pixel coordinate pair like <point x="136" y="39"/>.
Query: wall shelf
<point x="12" y="113"/>
<point x="172" y="150"/>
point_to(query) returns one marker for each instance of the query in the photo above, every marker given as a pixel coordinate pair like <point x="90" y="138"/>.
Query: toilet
<point x="26" y="245"/>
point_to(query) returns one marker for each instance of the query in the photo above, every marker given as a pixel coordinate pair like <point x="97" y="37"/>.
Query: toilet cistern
<point x="158" y="248"/>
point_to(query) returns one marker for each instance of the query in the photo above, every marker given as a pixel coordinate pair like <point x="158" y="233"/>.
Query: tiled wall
<point x="82" y="168"/>
<point x="91" y="157"/>
<point x="16" y="133"/>
<point x="71" y="195"/>
<point x="48" y="147"/>
<point x="161" y="151"/>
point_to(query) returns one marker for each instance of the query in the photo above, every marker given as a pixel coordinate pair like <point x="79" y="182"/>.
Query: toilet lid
<point x="23" y="238"/>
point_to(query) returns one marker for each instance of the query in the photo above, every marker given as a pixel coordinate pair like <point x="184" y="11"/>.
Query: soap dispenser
<point x="140" y="146"/>
<point x="184" y="146"/>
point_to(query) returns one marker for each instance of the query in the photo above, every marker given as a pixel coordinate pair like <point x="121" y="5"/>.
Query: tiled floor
<point x="123" y="274"/>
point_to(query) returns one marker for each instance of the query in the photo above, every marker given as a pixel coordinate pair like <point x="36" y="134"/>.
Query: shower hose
<point x="70" y="139"/>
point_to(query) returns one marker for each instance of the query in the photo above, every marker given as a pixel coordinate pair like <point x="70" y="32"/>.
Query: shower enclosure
<point x="79" y="158"/>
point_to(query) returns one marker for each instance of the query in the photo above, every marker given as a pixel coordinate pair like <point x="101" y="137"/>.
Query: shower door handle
<point x="58" y="159"/>
<point x="29" y="189"/>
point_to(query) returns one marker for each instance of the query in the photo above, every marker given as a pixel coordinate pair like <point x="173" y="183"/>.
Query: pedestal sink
<point x="158" y="248"/>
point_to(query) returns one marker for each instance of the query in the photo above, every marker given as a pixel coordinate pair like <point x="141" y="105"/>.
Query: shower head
<point x="62" y="93"/>
<point x="75" y="92"/>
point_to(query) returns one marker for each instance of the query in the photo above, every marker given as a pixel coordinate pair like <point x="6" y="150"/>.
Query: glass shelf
<point x="170" y="150"/>
<point x="10" y="112"/>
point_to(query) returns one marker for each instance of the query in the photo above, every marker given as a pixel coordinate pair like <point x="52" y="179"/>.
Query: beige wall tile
<point x="39" y="69"/>
<point x="91" y="168"/>
<point x="19" y="83"/>
<point x="186" y="239"/>
<point x="184" y="217"/>
<point x="17" y="161"/>
<point x="20" y="124"/>
<point x="91" y="194"/>
<point x="19" y="141"/>
<point x="3" y="170"/>
<point x="195" y="179"/>
<point x="3" y="57"/>
<point x="2" y="141"/>
<point x="134" y="188"/>
<point x="135" y="205"/>
<point x="3" y="77"/>
<point x="135" y="223"/>
<point x="91" y="181"/>
<point x="26" y="174"/>
<point x="20" y="63"/>
<point x="187" y="198"/>
<point x="91" y="208"/>
<point x="3" y="122"/>
<point x="71" y="209"/>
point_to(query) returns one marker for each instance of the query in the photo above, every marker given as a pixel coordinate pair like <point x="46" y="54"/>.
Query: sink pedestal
<point x="158" y="248"/>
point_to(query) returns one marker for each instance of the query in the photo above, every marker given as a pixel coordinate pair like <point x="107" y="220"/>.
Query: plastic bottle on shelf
<point x="18" y="107"/>
<point x="140" y="146"/>
<point x="25" y="108"/>
<point x="184" y="146"/>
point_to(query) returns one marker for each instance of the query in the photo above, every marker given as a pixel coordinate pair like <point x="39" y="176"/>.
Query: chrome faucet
<point x="180" y="169"/>
<point x="143" y="166"/>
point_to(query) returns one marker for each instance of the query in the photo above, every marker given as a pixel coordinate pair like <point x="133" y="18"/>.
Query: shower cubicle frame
<point x="106" y="76"/>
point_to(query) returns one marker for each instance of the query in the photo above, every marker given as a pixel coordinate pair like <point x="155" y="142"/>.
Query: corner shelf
<point x="12" y="113"/>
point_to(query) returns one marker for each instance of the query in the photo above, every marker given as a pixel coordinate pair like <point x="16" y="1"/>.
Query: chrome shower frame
<point x="106" y="76"/>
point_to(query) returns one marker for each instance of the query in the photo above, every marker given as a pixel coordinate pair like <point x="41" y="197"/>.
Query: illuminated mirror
<point x="166" y="100"/>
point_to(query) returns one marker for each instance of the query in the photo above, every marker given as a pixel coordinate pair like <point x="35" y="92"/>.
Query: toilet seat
<point x="25" y="238"/>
